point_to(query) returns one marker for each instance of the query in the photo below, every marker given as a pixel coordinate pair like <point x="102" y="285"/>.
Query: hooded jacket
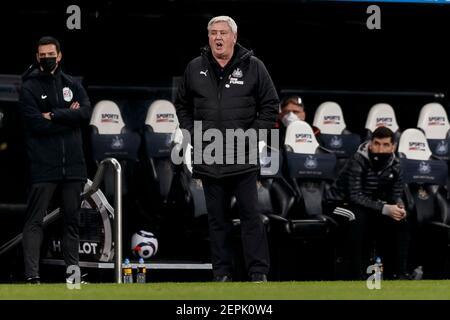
<point x="245" y="98"/>
<point x="359" y="183"/>
<point x="54" y="147"/>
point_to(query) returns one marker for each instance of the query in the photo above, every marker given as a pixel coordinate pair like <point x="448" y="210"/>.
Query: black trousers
<point x="218" y="193"/>
<point x="372" y="230"/>
<point x="38" y="201"/>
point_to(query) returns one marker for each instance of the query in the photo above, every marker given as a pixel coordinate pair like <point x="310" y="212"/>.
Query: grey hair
<point x="226" y="19"/>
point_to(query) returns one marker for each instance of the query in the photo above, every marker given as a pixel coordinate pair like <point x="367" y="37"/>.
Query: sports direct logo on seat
<point x="416" y="146"/>
<point x="165" y="117"/>
<point x="110" y="118"/>
<point x="303" y="138"/>
<point x="384" y="121"/>
<point x="331" y="120"/>
<point x="436" y="121"/>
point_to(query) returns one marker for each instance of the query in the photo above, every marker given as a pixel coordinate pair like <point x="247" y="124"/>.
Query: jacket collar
<point x="35" y="72"/>
<point x="363" y="150"/>
<point x="240" y="54"/>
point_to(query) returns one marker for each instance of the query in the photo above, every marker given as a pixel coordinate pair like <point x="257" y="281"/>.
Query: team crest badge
<point x="442" y="148"/>
<point x="67" y="94"/>
<point x="424" y="167"/>
<point x="117" y="143"/>
<point x="237" y="73"/>
<point x="336" y="142"/>
<point x="311" y="162"/>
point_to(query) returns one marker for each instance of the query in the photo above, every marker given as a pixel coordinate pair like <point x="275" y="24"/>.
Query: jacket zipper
<point x="214" y="79"/>
<point x="63" y="157"/>
<point x="62" y="137"/>
<point x="222" y="83"/>
<point x="220" y="90"/>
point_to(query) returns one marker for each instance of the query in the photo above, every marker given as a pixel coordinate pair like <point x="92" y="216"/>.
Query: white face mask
<point x="289" y="118"/>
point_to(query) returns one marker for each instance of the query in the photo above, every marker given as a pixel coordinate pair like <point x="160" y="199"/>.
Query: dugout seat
<point x="427" y="204"/>
<point x="309" y="168"/>
<point x="161" y="125"/>
<point x="110" y="137"/>
<point x="433" y="121"/>
<point x="334" y="135"/>
<point x="425" y="177"/>
<point x="382" y="114"/>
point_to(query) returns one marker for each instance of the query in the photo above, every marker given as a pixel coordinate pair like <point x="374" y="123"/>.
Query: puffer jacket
<point x="359" y="183"/>
<point x="245" y="98"/>
<point x="54" y="147"/>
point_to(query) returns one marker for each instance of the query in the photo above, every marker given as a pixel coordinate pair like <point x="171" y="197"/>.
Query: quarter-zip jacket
<point x="245" y="98"/>
<point x="54" y="147"/>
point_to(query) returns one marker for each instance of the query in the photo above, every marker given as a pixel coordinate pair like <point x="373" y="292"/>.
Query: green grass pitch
<point x="334" y="290"/>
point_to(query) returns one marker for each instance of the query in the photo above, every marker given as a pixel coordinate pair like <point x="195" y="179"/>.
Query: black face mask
<point x="379" y="160"/>
<point x="47" y="64"/>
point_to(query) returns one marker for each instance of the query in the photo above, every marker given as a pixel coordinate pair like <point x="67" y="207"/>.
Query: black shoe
<point x="258" y="277"/>
<point x="223" y="278"/>
<point x="402" y="276"/>
<point x="33" y="280"/>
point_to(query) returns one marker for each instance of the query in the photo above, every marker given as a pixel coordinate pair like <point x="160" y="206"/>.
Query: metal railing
<point x="117" y="209"/>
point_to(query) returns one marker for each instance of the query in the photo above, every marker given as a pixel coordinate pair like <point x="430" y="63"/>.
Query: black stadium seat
<point x="161" y="124"/>
<point x="110" y="137"/>
<point x="426" y="179"/>
<point x="433" y="121"/>
<point x="334" y="135"/>
<point x="426" y="200"/>
<point x="310" y="168"/>
<point x="300" y="233"/>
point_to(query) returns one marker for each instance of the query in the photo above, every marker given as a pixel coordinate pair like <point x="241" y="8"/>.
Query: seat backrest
<point x="381" y="114"/>
<point x="308" y="167"/>
<point x="162" y="130"/>
<point x="423" y="176"/>
<point x="107" y="118"/>
<point x="161" y="124"/>
<point x="162" y="117"/>
<point x="329" y="118"/>
<point x="300" y="138"/>
<point x="413" y="145"/>
<point x="419" y="167"/>
<point x="433" y="121"/>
